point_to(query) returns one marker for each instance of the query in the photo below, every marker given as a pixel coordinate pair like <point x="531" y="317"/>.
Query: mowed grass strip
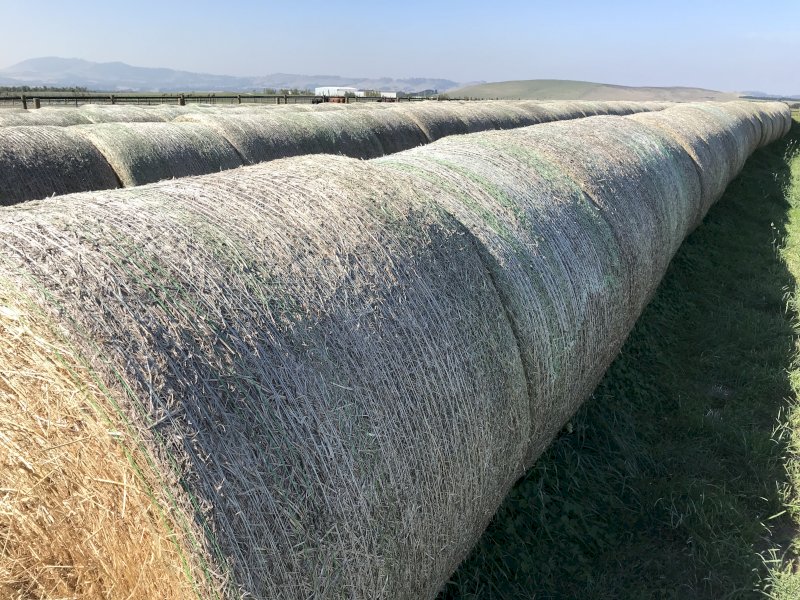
<point x="783" y="562"/>
<point x="671" y="482"/>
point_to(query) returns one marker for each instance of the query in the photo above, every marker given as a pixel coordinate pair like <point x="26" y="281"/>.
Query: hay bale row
<point x="318" y="377"/>
<point x="282" y="335"/>
<point x="104" y="113"/>
<point x="596" y="208"/>
<point x="718" y="137"/>
<point x="204" y="140"/>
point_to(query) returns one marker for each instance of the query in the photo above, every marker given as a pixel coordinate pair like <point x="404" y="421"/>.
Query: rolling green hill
<point x="555" y="89"/>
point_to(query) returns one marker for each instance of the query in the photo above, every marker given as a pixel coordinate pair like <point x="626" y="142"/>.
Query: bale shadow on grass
<point x="666" y="483"/>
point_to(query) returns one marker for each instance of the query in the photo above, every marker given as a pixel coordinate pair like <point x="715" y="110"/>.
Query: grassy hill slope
<point x="555" y="89"/>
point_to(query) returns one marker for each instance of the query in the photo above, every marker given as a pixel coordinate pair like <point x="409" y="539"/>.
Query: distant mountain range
<point x="118" y="76"/>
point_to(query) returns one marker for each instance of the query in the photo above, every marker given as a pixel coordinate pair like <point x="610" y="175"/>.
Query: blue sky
<point x="733" y="45"/>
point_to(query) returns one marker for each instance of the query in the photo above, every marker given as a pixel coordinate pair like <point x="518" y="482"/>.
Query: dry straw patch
<point x="77" y="519"/>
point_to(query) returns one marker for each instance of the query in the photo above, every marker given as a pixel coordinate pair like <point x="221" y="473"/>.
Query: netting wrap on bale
<point x="574" y="220"/>
<point x="717" y="136"/>
<point x="56" y="117"/>
<point x="37" y="162"/>
<point x="318" y="377"/>
<point x="98" y="113"/>
<point x="287" y="335"/>
<point x="148" y="152"/>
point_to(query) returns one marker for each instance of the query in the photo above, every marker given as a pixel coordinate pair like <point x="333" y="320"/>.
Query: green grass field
<point x="674" y="480"/>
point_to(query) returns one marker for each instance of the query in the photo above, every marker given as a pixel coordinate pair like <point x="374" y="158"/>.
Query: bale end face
<point x="78" y="510"/>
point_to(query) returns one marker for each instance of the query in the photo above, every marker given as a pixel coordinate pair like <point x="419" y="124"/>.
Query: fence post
<point x="238" y="99"/>
<point x="113" y="100"/>
<point x="37" y="103"/>
<point x="24" y="102"/>
<point x="182" y="100"/>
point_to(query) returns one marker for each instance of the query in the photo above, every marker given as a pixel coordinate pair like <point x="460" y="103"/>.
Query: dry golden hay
<point x="332" y="365"/>
<point x="37" y="162"/>
<point x="147" y="152"/>
<point x="82" y="514"/>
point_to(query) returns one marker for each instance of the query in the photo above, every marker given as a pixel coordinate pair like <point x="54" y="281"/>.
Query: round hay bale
<point x="328" y="107"/>
<point x="143" y="153"/>
<point x="553" y="258"/>
<point x="742" y="111"/>
<point x="349" y="133"/>
<point x="37" y="162"/>
<point x="591" y="109"/>
<point x="268" y="136"/>
<point x="55" y="117"/>
<point x="117" y="113"/>
<point x="170" y="112"/>
<point x="485" y="116"/>
<point x="435" y="119"/>
<point x="534" y="111"/>
<point x="320" y="364"/>
<point x="635" y="180"/>
<point x="563" y="110"/>
<point x="785" y="114"/>
<point x="772" y="126"/>
<point x="779" y="116"/>
<point x="711" y="146"/>
<point x="395" y="131"/>
<point x="737" y="127"/>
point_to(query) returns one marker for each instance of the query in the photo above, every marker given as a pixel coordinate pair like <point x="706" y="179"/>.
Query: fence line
<point x="36" y="100"/>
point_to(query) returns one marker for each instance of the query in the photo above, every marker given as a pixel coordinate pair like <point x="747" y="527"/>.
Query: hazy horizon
<point x="691" y="44"/>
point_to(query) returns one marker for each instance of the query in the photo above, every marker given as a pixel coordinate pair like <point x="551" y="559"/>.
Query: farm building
<point x="334" y="91"/>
